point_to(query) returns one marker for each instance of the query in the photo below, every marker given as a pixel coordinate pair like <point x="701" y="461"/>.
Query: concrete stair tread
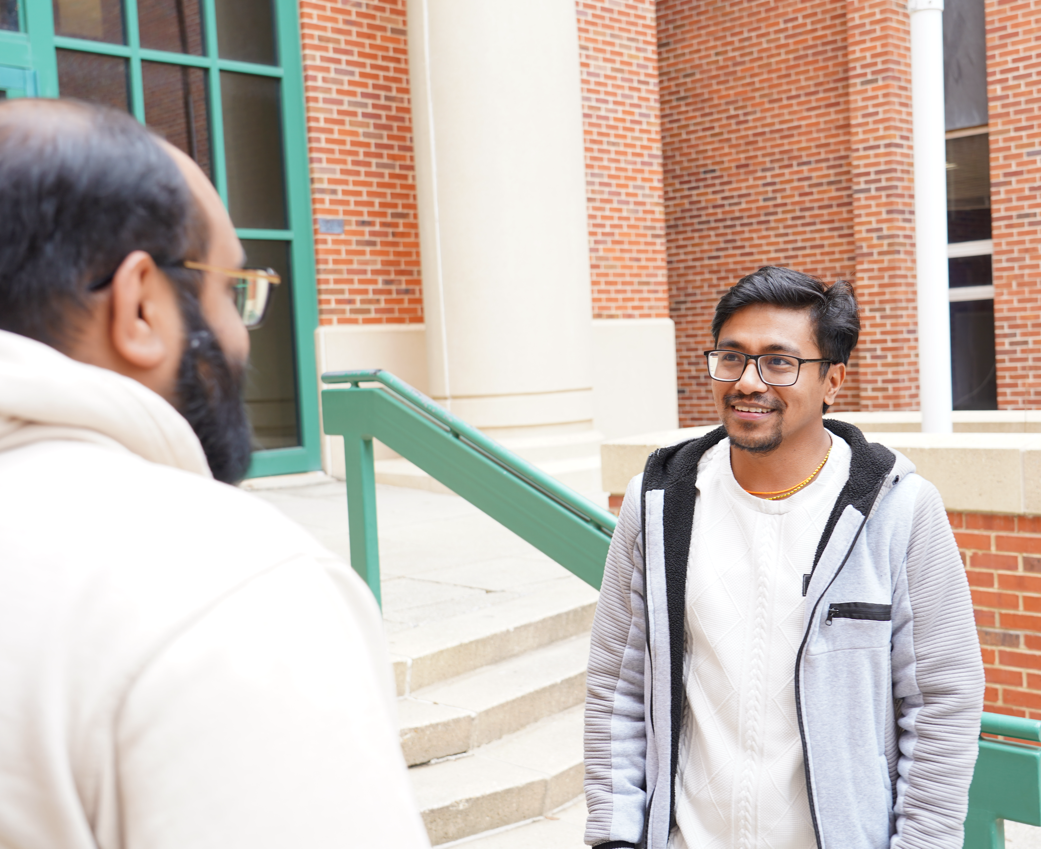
<point x="436" y="651"/>
<point x="563" y="829"/>
<point x="478" y="707"/>
<point x="524" y="775"/>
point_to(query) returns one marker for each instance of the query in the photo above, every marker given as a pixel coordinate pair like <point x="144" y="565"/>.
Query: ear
<point x="833" y="382"/>
<point x="145" y="329"/>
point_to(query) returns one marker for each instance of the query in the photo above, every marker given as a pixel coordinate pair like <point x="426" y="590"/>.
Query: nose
<point x="750" y="382"/>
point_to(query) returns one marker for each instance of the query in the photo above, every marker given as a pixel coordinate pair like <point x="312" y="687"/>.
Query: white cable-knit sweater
<point x="741" y="782"/>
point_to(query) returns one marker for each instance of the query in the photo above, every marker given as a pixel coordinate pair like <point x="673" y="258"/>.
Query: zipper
<point x="860" y="610"/>
<point x="798" y="689"/>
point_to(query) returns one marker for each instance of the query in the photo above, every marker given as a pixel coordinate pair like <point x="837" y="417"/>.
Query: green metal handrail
<point x="1007" y="782"/>
<point x="554" y="518"/>
<point x="576" y="533"/>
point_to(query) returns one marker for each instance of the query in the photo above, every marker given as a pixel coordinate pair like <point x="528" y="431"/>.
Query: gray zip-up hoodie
<point x="888" y="677"/>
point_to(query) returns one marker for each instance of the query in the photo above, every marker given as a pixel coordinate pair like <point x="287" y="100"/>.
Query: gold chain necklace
<point x="784" y="493"/>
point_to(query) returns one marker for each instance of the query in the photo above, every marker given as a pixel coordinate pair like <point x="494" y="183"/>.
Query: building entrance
<point x="222" y="81"/>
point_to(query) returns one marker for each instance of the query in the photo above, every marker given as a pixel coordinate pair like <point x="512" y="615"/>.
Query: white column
<point x="930" y="207"/>
<point x="497" y="117"/>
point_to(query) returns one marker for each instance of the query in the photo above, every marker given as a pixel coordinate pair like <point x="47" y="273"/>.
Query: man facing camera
<point x="180" y="665"/>
<point x="784" y="653"/>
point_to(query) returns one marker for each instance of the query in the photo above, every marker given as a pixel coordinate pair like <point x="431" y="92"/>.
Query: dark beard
<point x="763" y="444"/>
<point x="210" y="392"/>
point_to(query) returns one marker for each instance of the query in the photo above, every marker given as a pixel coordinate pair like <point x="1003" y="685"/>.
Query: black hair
<point x="834" y="312"/>
<point x="81" y="187"/>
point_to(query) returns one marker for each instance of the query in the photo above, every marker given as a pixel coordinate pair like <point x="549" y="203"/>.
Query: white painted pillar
<point x="930" y="208"/>
<point x="497" y="117"/>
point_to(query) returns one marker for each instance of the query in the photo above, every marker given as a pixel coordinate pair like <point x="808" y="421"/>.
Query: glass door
<point x="222" y="80"/>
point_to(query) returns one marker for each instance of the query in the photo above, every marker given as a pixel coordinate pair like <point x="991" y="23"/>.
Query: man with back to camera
<point x="784" y="654"/>
<point x="180" y="664"/>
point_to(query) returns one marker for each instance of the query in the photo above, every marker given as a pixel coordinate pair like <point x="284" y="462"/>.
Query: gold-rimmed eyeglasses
<point x="253" y="287"/>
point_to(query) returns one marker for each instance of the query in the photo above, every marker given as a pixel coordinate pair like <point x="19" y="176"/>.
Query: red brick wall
<point x="360" y="143"/>
<point x="1002" y="556"/>
<point x="619" y="66"/>
<point x="755" y="137"/>
<point x="882" y="171"/>
<point x="1013" y="58"/>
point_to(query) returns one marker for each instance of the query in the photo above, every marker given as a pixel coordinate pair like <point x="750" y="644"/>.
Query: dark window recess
<point x="3" y="94"/>
<point x="94" y="78"/>
<point x="974" y="380"/>
<point x="9" y="15"/>
<point x="968" y="188"/>
<point x="173" y="25"/>
<point x="271" y="390"/>
<point x="97" y="20"/>
<point x="175" y="107"/>
<point x="253" y="150"/>
<point x="964" y="64"/>
<point x="246" y="31"/>
<point x="969" y="271"/>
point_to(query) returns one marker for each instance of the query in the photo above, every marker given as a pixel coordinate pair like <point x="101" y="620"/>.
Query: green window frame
<point x="34" y="50"/>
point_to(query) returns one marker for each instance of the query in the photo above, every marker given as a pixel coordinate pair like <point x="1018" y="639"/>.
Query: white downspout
<point x="930" y="212"/>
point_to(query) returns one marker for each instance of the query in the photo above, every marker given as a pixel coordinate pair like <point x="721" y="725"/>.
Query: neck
<point x="786" y="466"/>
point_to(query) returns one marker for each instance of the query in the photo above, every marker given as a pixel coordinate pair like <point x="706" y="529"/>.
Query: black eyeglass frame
<point x="800" y="361"/>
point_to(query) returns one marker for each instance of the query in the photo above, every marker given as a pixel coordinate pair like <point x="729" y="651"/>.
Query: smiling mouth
<point x="741" y="408"/>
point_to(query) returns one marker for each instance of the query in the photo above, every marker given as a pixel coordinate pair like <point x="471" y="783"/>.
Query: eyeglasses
<point x="253" y="287"/>
<point x="774" y="369"/>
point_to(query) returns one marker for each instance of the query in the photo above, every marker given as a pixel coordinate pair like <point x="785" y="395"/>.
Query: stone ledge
<point x="978" y="472"/>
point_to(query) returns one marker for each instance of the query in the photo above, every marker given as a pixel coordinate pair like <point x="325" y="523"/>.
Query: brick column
<point x="359" y="128"/>
<point x="882" y="163"/>
<point x="1013" y="54"/>
<point x="756" y="152"/>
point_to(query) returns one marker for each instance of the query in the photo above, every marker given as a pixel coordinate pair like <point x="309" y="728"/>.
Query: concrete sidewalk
<point x="440" y="558"/>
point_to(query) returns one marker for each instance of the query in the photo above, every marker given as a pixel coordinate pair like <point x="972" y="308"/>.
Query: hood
<point x="45" y="395"/>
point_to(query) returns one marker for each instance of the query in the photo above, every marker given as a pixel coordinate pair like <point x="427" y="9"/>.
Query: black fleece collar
<point x="674" y="469"/>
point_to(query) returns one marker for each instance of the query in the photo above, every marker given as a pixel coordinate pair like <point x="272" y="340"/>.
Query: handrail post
<point x="361" y="510"/>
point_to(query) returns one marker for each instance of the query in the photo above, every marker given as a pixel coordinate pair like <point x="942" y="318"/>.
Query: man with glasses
<point x="180" y="664"/>
<point x="784" y="653"/>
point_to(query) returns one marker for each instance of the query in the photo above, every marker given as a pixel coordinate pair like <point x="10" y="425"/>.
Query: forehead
<point x="761" y="328"/>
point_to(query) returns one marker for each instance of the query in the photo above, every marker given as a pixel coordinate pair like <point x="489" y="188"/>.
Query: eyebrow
<point x="776" y="347"/>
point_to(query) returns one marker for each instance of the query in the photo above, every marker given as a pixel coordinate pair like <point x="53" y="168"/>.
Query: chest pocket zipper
<point x="859" y="610"/>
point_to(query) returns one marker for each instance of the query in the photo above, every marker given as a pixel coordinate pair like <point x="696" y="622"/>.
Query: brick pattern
<point x="1013" y="62"/>
<point x="619" y="68"/>
<point x="359" y="128"/>
<point x="755" y="138"/>
<point x="882" y="172"/>
<point x="1002" y="556"/>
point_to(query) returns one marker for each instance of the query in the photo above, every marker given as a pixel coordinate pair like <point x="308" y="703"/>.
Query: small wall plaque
<point x="330" y="226"/>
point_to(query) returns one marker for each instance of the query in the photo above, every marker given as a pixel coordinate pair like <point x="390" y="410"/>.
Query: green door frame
<point x="34" y="49"/>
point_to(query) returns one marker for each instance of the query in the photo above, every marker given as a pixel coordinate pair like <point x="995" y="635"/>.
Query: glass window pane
<point x="271" y="390"/>
<point x="253" y="150"/>
<point x="968" y="188"/>
<point x="246" y="31"/>
<point x="176" y="108"/>
<point x="98" y="20"/>
<point x="9" y="15"/>
<point x="174" y="25"/>
<point x="97" y="79"/>
<point x="969" y="271"/>
<point x="974" y="380"/>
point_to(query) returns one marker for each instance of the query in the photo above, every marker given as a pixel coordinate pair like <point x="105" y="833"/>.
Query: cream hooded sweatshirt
<point x="180" y="664"/>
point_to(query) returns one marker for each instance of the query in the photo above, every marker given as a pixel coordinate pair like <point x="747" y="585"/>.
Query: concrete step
<point x="438" y="650"/>
<point x="524" y="775"/>
<point x="562" y="829"/>
<point x="479" y="707"/>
